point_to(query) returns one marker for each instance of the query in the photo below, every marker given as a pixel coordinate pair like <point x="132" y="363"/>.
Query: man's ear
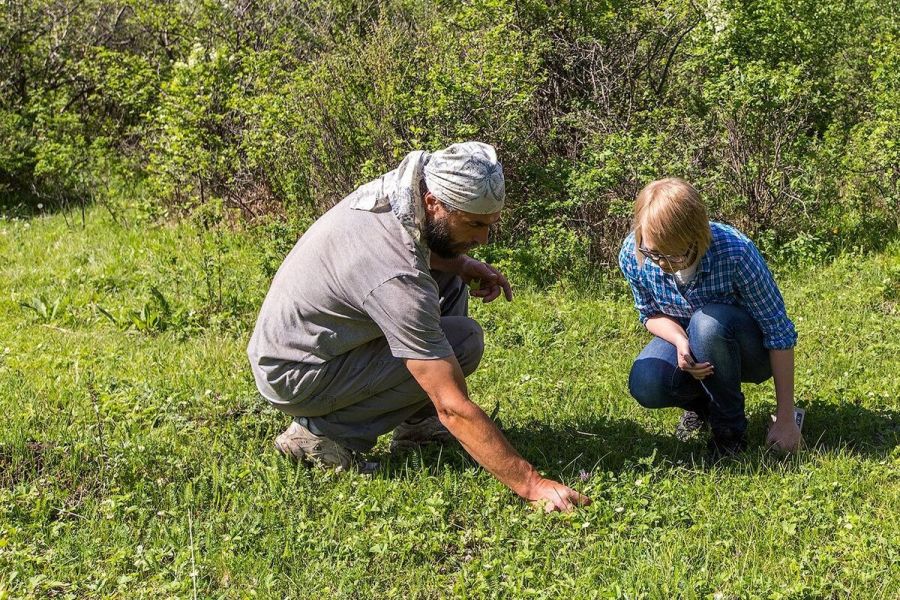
<point x="432" y="204"/>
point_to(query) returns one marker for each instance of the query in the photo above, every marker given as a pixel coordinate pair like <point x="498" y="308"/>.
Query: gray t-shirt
<point x="354" y="276"/>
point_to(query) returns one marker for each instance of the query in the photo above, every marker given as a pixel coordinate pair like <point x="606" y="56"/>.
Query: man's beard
<point x="437" y="236"/>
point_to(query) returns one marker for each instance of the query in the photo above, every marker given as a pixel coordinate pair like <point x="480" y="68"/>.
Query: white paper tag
<point x="799" y="417"/>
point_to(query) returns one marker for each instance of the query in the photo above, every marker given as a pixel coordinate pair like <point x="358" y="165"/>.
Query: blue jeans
<point x="721" y="334"/>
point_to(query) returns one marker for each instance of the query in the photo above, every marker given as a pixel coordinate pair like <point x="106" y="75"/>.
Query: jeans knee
<point x="648" y="384"/>
<point x="708" y="324"/>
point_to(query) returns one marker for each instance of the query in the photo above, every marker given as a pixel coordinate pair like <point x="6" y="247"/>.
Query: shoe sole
<point x="405" y="445"/>
<point x="326" y="459"/>
<point x="363" y="467"/>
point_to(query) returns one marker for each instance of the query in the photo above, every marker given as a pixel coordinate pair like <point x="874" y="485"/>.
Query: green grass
<point x="136" y="458"/>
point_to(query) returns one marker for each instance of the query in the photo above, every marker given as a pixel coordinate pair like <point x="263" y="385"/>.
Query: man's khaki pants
<point x="366" y="392"/>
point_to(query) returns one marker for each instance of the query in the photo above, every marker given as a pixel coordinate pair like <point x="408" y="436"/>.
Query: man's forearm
<point x="445" y="385"/>
<point x="443" y="381"/>
<point x="483" y="440"/>
<point x="782" y="362"/>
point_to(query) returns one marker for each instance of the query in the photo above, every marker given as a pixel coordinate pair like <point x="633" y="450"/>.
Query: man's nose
<point x="481" y="238"/>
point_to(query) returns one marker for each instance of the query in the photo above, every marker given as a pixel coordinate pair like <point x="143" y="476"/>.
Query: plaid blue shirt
<point x="732" y="271"/>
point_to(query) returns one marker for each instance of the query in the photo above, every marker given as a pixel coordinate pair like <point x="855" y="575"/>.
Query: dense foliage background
<point x="785" y="113"/>
<point x="136" y="456"/>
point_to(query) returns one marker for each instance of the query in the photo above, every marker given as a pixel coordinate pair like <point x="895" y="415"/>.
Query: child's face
<point x="668" y="261"/>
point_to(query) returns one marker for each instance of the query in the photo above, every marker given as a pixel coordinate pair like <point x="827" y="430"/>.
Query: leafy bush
<point x="783" y="114"/>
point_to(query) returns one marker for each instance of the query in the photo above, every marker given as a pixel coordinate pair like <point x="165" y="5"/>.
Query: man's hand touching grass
<point x="553" y="496"/>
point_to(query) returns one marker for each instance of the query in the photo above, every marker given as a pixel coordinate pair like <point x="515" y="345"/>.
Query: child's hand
<point x="687" y="363"/>
<point x="785" y="435"/>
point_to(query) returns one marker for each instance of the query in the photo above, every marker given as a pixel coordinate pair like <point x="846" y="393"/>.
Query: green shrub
<point x="783" y="114"/>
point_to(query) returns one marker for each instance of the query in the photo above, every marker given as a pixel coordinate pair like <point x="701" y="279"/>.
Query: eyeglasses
<point x="672" y="259"/>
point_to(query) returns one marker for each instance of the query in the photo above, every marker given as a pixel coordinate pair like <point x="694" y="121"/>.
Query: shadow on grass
<point x="845" y="427"/>
<point x="605" y="444"/>
<point x="25" y="205"/>
<point x="561" y="450"/>
<point x="614" y="445"/>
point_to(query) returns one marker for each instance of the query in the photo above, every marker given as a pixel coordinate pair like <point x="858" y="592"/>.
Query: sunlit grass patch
<point x="138" y="461"/>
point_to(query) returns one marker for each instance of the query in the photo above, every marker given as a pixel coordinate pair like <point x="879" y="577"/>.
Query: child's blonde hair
<point x="671" y="212"/>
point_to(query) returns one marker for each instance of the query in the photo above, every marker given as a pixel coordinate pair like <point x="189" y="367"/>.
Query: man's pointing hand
<point x="489" y="282"/>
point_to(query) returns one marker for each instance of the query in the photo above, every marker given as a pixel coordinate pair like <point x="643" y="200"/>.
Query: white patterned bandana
<point x="464" y="176"/>
<point x="467" y="177"/>
<point x="398" y="189"/>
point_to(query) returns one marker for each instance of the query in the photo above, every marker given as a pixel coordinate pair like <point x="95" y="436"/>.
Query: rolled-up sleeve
<point x="406" y="309"/>
<point x="763" y="300"/>
<point x="643" y="299"/>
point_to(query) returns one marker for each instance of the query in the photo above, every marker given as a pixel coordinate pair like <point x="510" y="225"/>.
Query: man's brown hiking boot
<point x="416" y="432"/>
<point x="300" y="444"/>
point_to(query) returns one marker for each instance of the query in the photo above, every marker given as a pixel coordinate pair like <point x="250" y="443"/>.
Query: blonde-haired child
<point x="718" y="319"/>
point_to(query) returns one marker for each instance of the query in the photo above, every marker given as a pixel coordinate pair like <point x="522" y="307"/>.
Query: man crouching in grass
<point x="364" y="329"/>
<point x="718" y="319"/>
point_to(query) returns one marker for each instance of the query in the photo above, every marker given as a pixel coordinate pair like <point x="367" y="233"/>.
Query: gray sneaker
<point x="690" y="424"/>
<point x="413" y="433"/>
<point x="300" y="444"/>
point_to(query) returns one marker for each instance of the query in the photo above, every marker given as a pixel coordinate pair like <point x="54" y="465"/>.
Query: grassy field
<point x="136" y="457"/>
